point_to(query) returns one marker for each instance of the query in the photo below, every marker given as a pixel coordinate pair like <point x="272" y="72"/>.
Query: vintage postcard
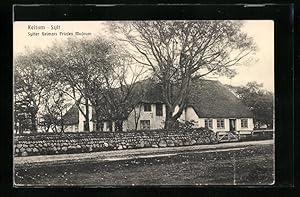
<point x="143" y="103"/>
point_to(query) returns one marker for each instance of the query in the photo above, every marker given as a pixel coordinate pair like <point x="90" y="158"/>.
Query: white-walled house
<point x="147" y="116"/>
<point x="74" y="119"/>
<point x="210" y="104"/>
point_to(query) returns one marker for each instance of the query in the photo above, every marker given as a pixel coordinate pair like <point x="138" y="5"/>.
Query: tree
<point x="88" y="70"/>
<point x="22" y="116"/>
<point x="48" y="121"/>
<point x="179" y="51"/>
<point x="121" y="95"/>
<point x="55" y="106"/>
<point x="31" y="81"/>
<point x="79" y="65"/>
<point x="258" y="100"/>
<point x="137" y="116"/>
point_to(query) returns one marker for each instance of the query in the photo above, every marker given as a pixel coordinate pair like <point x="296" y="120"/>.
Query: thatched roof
<point x="149" y="91"/>
<point x="212" y="99"/>
<point x="209" y="99"/>
<point x="72" y="116"/>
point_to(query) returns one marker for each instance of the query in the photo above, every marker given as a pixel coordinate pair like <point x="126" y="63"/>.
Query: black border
<point x="283" y="16"/>
<point x="281" y="13"/>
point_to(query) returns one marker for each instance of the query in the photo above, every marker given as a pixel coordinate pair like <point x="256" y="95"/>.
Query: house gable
<point x="138" y="115"/>
<point x="71" y="117"/>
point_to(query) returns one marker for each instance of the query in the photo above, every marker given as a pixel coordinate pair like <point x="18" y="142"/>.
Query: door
<point x="232" y="124"/>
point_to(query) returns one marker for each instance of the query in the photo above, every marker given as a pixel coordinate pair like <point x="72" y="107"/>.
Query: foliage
<point x="79" y="66"/>
<point x="94" y="73"/>
<point x="54" y="109"/>
<point x="31" y="81"/>
<point x="186" y="125"/>
<point x="22" y="112"/>
<point x="98" y="72"/>
<point x="179" y="51"/>
<point x="259" y="101"/>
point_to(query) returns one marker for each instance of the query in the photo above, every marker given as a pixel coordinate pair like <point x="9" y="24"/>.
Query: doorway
<point x="232" y="124"/>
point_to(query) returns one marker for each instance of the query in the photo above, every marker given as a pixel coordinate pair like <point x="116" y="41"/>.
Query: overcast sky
<point x="262" y="32"/>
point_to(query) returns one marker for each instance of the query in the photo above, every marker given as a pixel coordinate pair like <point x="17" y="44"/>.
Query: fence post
<point x="239" y="135"/>
<point x="217" y="135"/>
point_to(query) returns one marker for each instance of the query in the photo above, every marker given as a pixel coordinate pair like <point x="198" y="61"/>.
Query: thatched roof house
<point x="212" y="99"/>
<point x="210" y="103"/>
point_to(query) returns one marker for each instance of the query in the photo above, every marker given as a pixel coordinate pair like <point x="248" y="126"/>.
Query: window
<point x="220" y="124"/>
<point x="147" y="107"/>
<point x="145" y="124"/>
<point x="244" y="123"/>
<point x="208" y="123"/>
<point x="159" y="109"/>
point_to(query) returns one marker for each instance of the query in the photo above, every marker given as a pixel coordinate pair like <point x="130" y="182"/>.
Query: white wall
<point x="156" y="122"/>
<point x="106" y="127"/>
<point x="226" y="124"/>
<point x="182" y="117"/>
<point x="190" y="115"/>
<point x="82" y="119"/>
<point x="124" y="125"/>
<point x="250" y="125"/>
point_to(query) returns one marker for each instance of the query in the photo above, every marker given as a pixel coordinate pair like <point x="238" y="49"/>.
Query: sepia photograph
<point x="143" y="103"/>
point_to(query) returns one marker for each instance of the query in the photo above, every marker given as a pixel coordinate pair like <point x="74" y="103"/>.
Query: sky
<point x="26" y="35"/>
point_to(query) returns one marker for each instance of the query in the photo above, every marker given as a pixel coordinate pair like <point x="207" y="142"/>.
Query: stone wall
<point x="46" y="144"/>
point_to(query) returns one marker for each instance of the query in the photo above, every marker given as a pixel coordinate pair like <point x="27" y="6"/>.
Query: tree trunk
<point x="61" y="121"/>
<point x="33" y="122"/>
<point x="87" y="118"/>
<point x="180" y="102"/>
<point x="119" y="125"/>
<point x="47" y="129"/>
<point x="170" y="123"/>
<point x="137" y="117"/>
<point x="21" y="127"/>
<point x="54" y="129"/>
<point x="97" y="113"/>
<point x="136" y="125"/>
<point x="170" y="120"/>
<point x="98" y="122"/>
<point x="62" y="129"/>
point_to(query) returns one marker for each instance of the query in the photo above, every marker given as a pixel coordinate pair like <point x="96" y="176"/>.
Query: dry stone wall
<point x="46" y="144"/>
